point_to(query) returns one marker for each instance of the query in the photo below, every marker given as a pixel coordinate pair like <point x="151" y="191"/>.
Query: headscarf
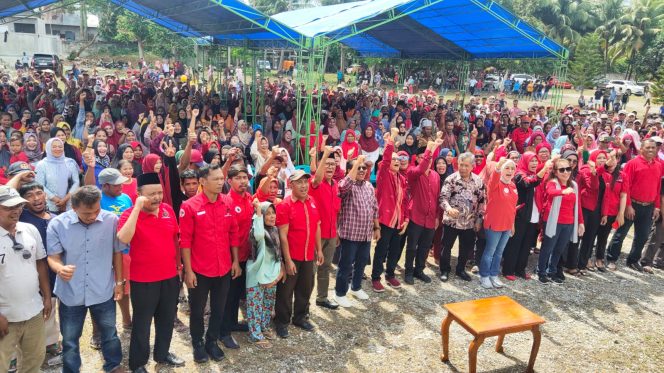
<point x="104" y="161"/>
<point x="450" y="167"/>
<point x="593" y="145"/>
<point x="558" y="145"/>
<point x="541" y="145"/>
<point x="632" y="149"/>
<point x="522" y="167"/>
<point x="272" y="242"/>
<point x="118" y="154"/>
<point x="553" y="135"/>
<point x="636" y="139"/>
<point x="410" y="149"/>
<point x="531" y="140"/>
<point x="593" y="157"/>
<point x="59" y="166"/>
<point x="446" y="173"/>
<point x="33" y="155"/>
<point x="69" y="149"/>
<point x="369" y="143"/>
<point x="347" y="145"/>
<point x="479" y="167"/>
<point x="70" y="139"/>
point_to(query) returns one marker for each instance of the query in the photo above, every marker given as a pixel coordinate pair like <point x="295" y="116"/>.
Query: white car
<point x="628" y="86"/>
<point x="522" y="77"/>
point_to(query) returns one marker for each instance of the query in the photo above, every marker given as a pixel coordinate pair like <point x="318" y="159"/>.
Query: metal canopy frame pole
<point x="560" y="71"/>
<point x="310" y="76"/>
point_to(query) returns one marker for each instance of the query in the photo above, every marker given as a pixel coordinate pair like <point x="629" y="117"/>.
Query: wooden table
<point x="490" y="317"/>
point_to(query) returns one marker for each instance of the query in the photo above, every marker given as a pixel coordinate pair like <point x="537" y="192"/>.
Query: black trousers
<point x="591" y="220"/>
<point x="466" y="244"/>
<point x="417" y="247"/>
<point x="603" y="237"/>
<point x="149" y="300"/>
<point x="515" y="256"/>
<point x="299" y="285"/>
<point x="480" y="244"/>
<point x="388" y="247"/>
<point x="236" y="292"/>
<point x="217" y="288"/>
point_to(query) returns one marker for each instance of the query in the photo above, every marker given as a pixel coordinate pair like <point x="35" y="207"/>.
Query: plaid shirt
<point x="359" y="208"/>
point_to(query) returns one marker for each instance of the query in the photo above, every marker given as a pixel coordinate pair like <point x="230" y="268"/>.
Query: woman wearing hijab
<point x="137" y="162"/>
<point x="59" y="176"/>
<point x="526" y="222"/>
<point x="71" y="151"/>
<point x="480" y="161"/>
<point x="44" y="131"/>
<point x="449" y="160"/>
<point x="444" y="170"/>
<point x="553" y="135"/>
<point x="350" y="149"/>
<point x="126" y="152"/>
<point x="243" y="133"/>
<point x="71" y="140"/>
<point x="32" y="148"/>
<point x="369" y="145"/>
<point x="409" y="145"/>
<point x="593" y="181"/>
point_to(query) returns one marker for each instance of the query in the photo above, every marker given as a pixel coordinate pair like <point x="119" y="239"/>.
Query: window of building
<point x="27" y="28"/>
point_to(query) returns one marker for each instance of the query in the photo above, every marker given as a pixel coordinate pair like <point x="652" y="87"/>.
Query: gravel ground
<point x="604" y="322"/>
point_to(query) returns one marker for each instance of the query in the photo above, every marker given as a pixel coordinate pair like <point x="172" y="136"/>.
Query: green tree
<point x="566" y="20"/>
<point x="609" y="18"/>
<point x="132" y="28"/>
<point x="650" y="59"/>
<point x="657" y="90"/>
<point x="587" y="66"/>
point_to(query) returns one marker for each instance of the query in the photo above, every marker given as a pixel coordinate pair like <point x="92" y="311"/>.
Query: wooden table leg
<point x="537" y="337"/>
<point x="499" y="344"/>
<point x="445" y="335"/>
<point x="472" y="353"/>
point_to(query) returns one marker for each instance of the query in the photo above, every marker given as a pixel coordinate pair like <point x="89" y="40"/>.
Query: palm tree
<point x="609" y="15"/>
<point x="638" y="26"/>
<point x="566" y="20"/>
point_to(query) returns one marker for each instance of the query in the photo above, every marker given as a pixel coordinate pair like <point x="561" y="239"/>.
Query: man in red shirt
<point x="424" y="214"/>
<point x="521" y="134"/>
<point x="151" y="230"/>
<point x="643" y="175"/>
<point x="243" y="209"/>
<point x="298" y="220"/>
<point x="209" y="244"/>
<point x="325" y="192"/>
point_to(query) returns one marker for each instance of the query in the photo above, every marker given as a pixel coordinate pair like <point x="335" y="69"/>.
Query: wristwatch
<point x="120" y="283"/>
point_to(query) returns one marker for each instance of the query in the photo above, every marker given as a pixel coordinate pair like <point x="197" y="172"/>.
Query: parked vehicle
<point x="263" y="65"/>
<point x="522" y="77"/>
<point x="601" y="84"/>
<point x="47" y="62"/>
<point x="628" y="86"/>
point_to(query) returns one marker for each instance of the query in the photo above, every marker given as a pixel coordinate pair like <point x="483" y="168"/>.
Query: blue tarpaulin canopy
<point x="10" y="8"/>
<point x="449" y="29"/>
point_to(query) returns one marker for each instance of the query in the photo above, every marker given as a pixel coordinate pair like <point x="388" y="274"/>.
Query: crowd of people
<point x="146" y="193"/>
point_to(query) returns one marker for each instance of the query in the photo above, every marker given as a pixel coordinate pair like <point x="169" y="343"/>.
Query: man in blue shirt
<point x="84" y="252"/>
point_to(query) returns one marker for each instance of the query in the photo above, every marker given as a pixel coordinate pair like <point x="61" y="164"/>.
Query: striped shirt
<point x="359" y="208"/>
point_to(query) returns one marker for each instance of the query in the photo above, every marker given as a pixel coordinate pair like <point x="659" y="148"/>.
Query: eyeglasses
<point x="565" y="169"/>
<point x="17" y="246"/>
<point x="362" y="168"/>
<point x="402" y="158"/>
<point x="330" y="165"/>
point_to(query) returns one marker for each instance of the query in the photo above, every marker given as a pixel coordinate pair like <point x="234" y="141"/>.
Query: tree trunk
<point x="140" y="48"/>
<point x="86" y="46"/>
<point x="281" y="60"/>
<point x="341" y="58"/>
<point x="83" y="12"/>
<point x="228" y="53"/>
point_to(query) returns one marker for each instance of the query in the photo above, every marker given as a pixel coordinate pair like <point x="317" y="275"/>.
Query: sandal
<point x="263" y="344"/>
<point x="269" y="334"/>
<point x="574" y="272"/>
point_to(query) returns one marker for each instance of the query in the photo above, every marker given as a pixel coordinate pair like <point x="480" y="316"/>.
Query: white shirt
<point x="19" y="293"/>
<point x="534" y="216"/>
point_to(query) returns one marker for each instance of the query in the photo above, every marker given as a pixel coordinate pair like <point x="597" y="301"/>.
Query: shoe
<point x="282" y="331"/>
<point x="95" y="343"/>
<point x="560" y="275"/>
<point x="409" y="280"/>
<point x="485" y="282"/>
<point x="495" y="281"/>
<point x="601" y="269"/>
<point x="422" y="277"/>
<point x="463" y="275"/>
<point x="240" y="327"/>
<point x="393" y="282"/>
<point x="658" y="266"/>
<point x="444" y="276"/>
<point x="200" y="355"/>
<point x="229" y="342"/>
<point x="213" y="350"/>
<point x="635" y="266"/>
<point x="359" y="294"/>
<point x="305" y="325"/>
<point x="12" y="366"/>
<point x="544" y="280"/>
<point x="612" y="266"/>
<point x="54" y="361"/>
<point x="557" y="279"/>
<point x="343" y="301"/>
<point x="648" y="269"/>
<point x="527" y="276"/>
<point x="377" y="286"/>
<point x="475" y="269"/>
<point x="510" y="278"/>
<point x="173" y="360"/>
<point x="140" y="370"/>
<point x="327" y="304"/>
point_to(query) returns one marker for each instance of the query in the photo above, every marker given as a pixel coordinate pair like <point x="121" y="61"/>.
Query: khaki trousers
<point x="28" y="338"/>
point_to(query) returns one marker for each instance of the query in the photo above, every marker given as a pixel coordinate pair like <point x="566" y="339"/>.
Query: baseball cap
<point x="298" y="174"/>
<point x="111" y="176"/>
<point x="622" y="112"/>
<point x="196" y="158"/>
<point x="657" y="139"/>
<point x="17" y="167"/>
<point x="9" y="197"/>
<point x="604" y="116"/>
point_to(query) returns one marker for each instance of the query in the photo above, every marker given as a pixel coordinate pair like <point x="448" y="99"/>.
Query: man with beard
<point x="151" y="230"/>
<point x="243" y="209"/>
<point x="35" y="213"/>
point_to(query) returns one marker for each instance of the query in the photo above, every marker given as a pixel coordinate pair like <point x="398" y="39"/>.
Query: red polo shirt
<point x="327" y="199"/>
<point x="644" y="180"/>
<point x="302" y="218"/>
<point x="153" y="252"/>
<point x="209" y="229"/>
<point x="244" y="214"/>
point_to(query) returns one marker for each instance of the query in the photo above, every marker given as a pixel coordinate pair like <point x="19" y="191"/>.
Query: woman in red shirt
<point x="563" y="221"/>
<point x="502" y="197"/>
<point x="613" y="209"/>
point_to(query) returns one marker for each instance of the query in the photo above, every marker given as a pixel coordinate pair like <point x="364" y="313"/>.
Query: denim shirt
<point x="90" y="248"/>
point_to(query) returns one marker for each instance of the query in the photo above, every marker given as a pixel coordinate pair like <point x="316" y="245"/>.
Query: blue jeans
<point x="71" y="327"/>
<point x="493" y="252"/>
<point x="353" y="256"/>
<point x="552" y="249"/>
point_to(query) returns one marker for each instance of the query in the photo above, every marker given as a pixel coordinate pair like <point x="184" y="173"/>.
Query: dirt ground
<point x="604" y="322"/>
